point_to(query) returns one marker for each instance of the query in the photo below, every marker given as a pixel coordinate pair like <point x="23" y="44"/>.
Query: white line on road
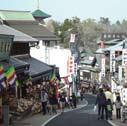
<point x="110" y="122"/>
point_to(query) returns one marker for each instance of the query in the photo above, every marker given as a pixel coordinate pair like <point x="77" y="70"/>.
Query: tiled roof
<point x="12" y="15"/>
<point x="33" y="29"/>
<point x="18" y="36"/>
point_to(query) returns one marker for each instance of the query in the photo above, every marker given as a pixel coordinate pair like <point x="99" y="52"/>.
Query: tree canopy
<point x="87" y="31"/>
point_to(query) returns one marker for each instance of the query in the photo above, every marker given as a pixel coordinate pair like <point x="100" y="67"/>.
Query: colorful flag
<point x="11" y="76"/>
<point x="2" y="78"/>
<point x="53" y="77"/>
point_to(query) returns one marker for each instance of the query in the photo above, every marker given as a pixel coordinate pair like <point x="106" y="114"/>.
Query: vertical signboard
<point x="120" y="73"/>
<point x="103" y="67"/>
<point x="70" y="65"/>
<point x="72" y="38"/>
<point x="112" y="61"/>
<point x="124" y="62"/>
<point x="124" y="57"/>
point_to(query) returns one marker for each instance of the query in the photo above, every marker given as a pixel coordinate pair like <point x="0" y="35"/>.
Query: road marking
<point x="110" y="122"/>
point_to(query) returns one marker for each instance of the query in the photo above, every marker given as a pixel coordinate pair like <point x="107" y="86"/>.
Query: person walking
<point x="74" y="100"/>
<point x="118" y="105"/>
<point x="44" y="99"/>
<point x="109" y="95"/>
<point x="101" y="104"/>
<point x="53" y="101"/>
<point x="109" y="109"/>
<point x="62" y="102"/>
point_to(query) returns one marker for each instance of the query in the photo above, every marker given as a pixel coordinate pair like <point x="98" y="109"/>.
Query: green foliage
<point x="87" y="31"/>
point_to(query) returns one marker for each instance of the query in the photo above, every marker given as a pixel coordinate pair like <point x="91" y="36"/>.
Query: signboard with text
<point x="103" y="67"/>
<point x="112" y="61"/>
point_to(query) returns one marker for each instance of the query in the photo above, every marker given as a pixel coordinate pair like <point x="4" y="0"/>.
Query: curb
<point x="46" y="122"/>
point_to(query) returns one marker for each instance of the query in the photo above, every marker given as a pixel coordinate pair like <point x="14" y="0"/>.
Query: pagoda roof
<point x="13" y="15"/>
<point x="40" y="14"/>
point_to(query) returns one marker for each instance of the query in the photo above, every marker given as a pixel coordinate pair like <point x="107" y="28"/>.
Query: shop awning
<point x="37" y="69"/>
<point x="20" y="66"/>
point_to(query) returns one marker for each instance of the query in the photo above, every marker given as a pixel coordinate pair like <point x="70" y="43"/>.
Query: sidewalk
<point x="117" y="122"/>
<point x="40" y="120"/>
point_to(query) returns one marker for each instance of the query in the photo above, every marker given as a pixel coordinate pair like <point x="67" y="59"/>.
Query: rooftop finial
<point x="38" y="4"/>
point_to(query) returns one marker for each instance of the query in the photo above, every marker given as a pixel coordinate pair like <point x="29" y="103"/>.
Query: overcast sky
<point x="62" y="9"/>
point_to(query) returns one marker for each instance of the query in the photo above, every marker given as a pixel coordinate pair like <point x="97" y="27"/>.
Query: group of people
<point x="50" y="102"/>
<point x="105" y="103"/>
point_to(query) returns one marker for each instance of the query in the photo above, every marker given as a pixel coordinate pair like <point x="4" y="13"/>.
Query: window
<point x="5" y="47"/>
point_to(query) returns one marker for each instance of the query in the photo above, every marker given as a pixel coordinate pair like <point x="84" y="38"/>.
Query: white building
<point x="52" y="56"/>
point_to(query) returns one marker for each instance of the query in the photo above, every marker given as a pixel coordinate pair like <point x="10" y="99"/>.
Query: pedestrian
<point x="81" y="96"/>
<point x="109" y="95"/>
<point x="70" y="102"/>
<point x="74" y="100"/>
<point x="62" y="102"/>
<point x="118" y="105"/>
<point x="109" y="109"/>
<point x="101" y="104"/>
<point x="44" y="99"/>
<point x="53" y="101"/>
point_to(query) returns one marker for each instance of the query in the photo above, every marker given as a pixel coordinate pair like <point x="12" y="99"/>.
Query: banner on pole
<point x="72" y="38"/>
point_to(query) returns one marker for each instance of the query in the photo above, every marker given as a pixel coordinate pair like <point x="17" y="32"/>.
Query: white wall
<point x="55" y="56"/>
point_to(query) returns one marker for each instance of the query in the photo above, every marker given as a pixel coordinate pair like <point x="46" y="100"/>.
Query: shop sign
<point x="103" y="67"/>
<point x="124" y="57"/>
<point x="112" y="61"/>
<point x="70" y="65"/>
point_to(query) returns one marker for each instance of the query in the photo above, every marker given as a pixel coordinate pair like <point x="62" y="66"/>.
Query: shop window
<point x="5" y="47"/>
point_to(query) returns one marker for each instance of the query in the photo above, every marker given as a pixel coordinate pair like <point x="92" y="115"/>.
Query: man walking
<point x="101" y="102"/>
<point x="44" y="99"/>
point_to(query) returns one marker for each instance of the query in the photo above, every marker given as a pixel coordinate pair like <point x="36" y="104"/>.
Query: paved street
<point x="39" y="119"/>
<point x="82" y="117"/>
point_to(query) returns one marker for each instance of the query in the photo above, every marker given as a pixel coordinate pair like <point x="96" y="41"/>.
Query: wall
<point x="53" y="56"/>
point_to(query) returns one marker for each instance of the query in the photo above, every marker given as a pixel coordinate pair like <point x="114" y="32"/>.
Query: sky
<point x="62" y="9"/>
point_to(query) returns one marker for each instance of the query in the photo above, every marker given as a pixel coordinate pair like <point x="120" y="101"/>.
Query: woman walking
<point x="118" y="105"/>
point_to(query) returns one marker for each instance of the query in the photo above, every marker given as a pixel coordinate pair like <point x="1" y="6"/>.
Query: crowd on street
<point x="106" y="105"/>
<point x="50" y="102"/>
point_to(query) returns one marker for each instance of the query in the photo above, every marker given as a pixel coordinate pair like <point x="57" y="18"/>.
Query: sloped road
<point x="81" y="117"/>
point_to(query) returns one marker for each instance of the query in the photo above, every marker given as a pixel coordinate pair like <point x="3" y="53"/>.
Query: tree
<point x="87" y="31"/>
